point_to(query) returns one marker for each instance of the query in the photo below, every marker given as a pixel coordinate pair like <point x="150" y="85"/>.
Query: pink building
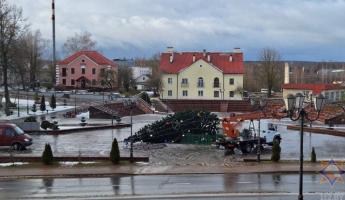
<point x="86" y="69"/>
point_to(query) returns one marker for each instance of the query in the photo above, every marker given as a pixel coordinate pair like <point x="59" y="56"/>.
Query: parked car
<point x="13" y="136"/>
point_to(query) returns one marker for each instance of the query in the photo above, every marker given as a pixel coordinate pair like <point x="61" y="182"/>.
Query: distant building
<point x="332" y="92"/>
<point x="83" y="69"/>
<point x="124" y="62"/>
<point x="202" y="75"/>
<point x="141" y="75"/>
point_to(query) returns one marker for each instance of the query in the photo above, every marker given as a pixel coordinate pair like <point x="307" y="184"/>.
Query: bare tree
<point x="11" y="26"/>
<point x="270" y="68"/>
<point x="79" y="42"/>
<point x="155" y="81"/>
<point x="108" y="78"/>
<point x="125" y="78"/>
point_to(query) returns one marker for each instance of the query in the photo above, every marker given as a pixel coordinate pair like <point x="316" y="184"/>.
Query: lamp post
<point x="296" y="111"/>
<point x="27" y="101"/>
<point x="129" y="103"/>
<point x="75" y="98"/>
<point x="18" y="101"/>
<point x="261" y="103"/>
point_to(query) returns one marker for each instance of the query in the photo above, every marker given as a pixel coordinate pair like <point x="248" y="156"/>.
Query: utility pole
<point x="54" y="48"/>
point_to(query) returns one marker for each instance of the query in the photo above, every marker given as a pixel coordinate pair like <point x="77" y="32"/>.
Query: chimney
<point x="208" y="58"/>
<point x="171" y="57"/>
<point x="204" y="52"/>
<point x="230" y="58"/>
<point x="170" y="49"/>
<point x="193" y="58"/>
<point x="286" y="73"/>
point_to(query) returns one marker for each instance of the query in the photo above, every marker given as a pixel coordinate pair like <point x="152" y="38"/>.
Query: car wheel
<point x="17" y="146"/>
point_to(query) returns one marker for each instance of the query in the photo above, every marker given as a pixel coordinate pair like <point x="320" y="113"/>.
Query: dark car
<point x="13" y="136"/>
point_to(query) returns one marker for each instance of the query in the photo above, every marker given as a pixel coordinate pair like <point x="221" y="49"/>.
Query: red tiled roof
<point x="93" y="55"/>
<point x="222" y="61"/>
<point x="316" y="88"/>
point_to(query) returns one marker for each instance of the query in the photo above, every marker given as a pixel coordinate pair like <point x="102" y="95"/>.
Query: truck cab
<point x="13" y="136"/>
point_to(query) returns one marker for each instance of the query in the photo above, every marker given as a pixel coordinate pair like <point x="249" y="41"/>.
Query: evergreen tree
<point x="53" y="102"/>
<point x="275" y="151"/>
<point x="313" y="155"/>
<point x="34" y="109"/>
<point x="43" y="104"/>
<point x="115" y="152"/>
<point x="47" y="155"/>
<point x="144" y="96"/>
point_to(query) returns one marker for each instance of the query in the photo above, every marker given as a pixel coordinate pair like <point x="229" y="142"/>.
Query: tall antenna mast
<point x="55" y="76"/>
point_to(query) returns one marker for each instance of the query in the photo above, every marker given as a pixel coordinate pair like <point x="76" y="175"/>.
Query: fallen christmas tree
<point x="178" y="127"/>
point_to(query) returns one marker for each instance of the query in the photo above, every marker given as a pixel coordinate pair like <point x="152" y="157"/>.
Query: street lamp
<point x="296" y="111"/>
<point x="261" y="103"/>
<point x="75" y="98"/>
<point x="129" y="103"/>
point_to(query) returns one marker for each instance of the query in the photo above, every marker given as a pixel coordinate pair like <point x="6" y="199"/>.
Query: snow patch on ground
<point x="72" y="163"/>
<point x="13" y="164"/>
<point x="23" y="112"/>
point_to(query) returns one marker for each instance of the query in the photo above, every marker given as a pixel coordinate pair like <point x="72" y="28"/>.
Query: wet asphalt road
<point x="229" y="186"/>
<point x="99" y="142"/>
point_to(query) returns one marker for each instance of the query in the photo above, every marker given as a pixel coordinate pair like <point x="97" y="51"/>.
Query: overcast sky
<point x="298" y="29"/>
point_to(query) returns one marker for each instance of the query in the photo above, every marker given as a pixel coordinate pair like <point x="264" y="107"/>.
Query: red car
<point x="13" y="136"/>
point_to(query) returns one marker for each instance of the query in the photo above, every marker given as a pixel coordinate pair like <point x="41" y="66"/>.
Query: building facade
<point x="86" y="69"/>
<point x="331" y="92"/>
<point x="202" y="75"/>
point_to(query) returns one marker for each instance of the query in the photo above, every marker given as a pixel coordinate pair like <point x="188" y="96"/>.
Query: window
<point x="332" y="96"/>
<point x="72" y="70"/>
<point x="184" y="93"/>
<point x="63" y="81"/>
<point x="72" y="82"/>
<point x="64" y="72"/>
<point x="337" y="96"/>
<point x="231" y="81"/>
<point x="326" y="95"/>
<point x="216" y="93"/>
<point x="169" y="80"/>
<point x="94" y="82"/>
<point x="169" y="93"/>
<point x="83" y="70"/>
<point x="93" y="70"/>
<point x="184" y="81"/>
<point x="200" y="93"/>
<point x="216" y="83"/>
<point x="200" y="82"/>
<point x="231" y="94"/>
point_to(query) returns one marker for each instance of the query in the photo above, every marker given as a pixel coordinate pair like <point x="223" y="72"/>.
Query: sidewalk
<point x="141" y="169"/>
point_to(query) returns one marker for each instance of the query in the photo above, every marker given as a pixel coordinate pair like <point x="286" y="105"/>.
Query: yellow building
<point x="202" y="75"/>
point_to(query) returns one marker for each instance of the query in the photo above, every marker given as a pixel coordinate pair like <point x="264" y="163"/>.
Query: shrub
<point x="30" y="119"/>
<point x="43" y="104"/>
<point x="53" y="102"/>
<point x="145" y="97"/>
<point x="47" y="155"/>
<point x="313" y="155"/>
<point x="115" y="152"/>
<point x="275" y="151"/>
<point x="34" y="109"/>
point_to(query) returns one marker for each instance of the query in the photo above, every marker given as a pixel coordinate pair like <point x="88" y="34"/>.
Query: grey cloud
<point x="299" y="29"/>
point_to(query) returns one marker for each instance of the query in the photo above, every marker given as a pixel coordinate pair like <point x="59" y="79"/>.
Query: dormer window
<point x="230" y="58"/>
